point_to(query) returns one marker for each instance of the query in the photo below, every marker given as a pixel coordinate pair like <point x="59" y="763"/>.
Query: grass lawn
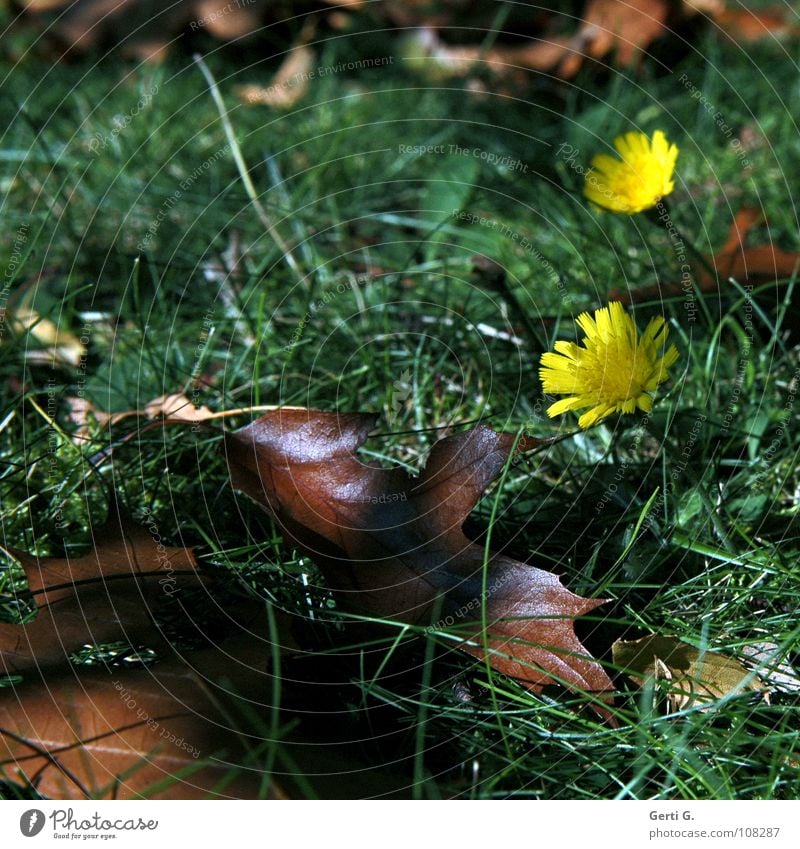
<point x="322" y="256"/>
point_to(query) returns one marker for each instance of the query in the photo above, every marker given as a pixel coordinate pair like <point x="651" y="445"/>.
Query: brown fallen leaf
<point x="82" y="412"/>
<point x="615" y="27"/>
<point x="43" y="5"/>
<point x="350" y="5"/>
<point x="166" y="731"/>
<point x="707" y="7"/>
<point x="163" y="732"/>
<point x="749" y="25"/>
<point x="620" y="30"/>
<point x="392" y="545"/>
<point x="696" y="677"/>
<point x="105" y="596"/>
<point x="288" y="86"/>
<point x="228" y="20"/>
<point x="176" y="407"/>
<point x="144" y="29"/>
<point x="751" y="264"/>
<point x="183" y="728"/>
<point x="423" y="51"/>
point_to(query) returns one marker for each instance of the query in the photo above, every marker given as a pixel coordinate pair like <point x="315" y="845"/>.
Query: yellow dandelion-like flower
<point x="613" y="372"/>
<point x="639" y="179"/>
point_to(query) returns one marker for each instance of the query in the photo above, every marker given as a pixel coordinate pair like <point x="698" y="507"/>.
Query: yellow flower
<point x="614" y="370"/>
<point x="637" y="181"/>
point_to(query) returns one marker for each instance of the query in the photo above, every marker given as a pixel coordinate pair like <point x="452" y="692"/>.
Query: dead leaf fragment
<point x="144" y="29"/>
<point x="176" y="406"/>
<point x="621" y="30"/>
<point x="751" y="263"/>
<point x="226" y="20"/>
<point x="154" y="733"/>
<point x="288" y="86"/>
<point x="393" y="545"/>
<point x="174" y="730"/>
<point x="696" y="677"/>
<point x="706" y="7"/>
<point x="747" y="26"/>
<point x="617" y="27"/>
<point x="736" y="259"/>
<point x="82" y="412"/>
<point x="105" y="596"/>
<point x="58" y="345"/>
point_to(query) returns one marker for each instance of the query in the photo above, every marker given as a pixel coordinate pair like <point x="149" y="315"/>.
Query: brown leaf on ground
<point x="144" y="29"/>
<point x="755" y="263"/>
<point x="105" y="596"/>
<point x="617" y="30"/>
<point x="424" y="51"/>
<point x="615" y="27"/>
<point x="288" y="86"/>
<point x="393" y="545"/>
<point x="43" y="5"/>
<point x="749" y="25"/>
<point x="176" y="407"/>
<point x="82" y="410"/>
<point x="226" y="20"/>
<point x="707" y="7"/>
<point x="172" y="730"/>
<point x="184" y="728"/>
<point x="695" y="677"/>
<point x="745" y="263"/>
<point x="164" y="732"/>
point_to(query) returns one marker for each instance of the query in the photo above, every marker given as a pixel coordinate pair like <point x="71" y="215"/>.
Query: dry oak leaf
<point x="393" y="545"/>
<point x="696" y="677"/>
<point x="162" y="732"/>
<point x="105" y="596"/>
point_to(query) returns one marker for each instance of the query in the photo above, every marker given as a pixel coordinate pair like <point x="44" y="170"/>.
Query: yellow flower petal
<point x="638" y="179"/>
<point x="614" y="369"/>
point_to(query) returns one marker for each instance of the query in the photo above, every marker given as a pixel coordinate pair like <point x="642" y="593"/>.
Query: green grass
<point x="714" y="559"/>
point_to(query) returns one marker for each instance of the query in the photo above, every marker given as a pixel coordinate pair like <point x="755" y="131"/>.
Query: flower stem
<point x="665" y="219"/>
<point x="494" y="275"/>
<point x="661" y="216"/>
